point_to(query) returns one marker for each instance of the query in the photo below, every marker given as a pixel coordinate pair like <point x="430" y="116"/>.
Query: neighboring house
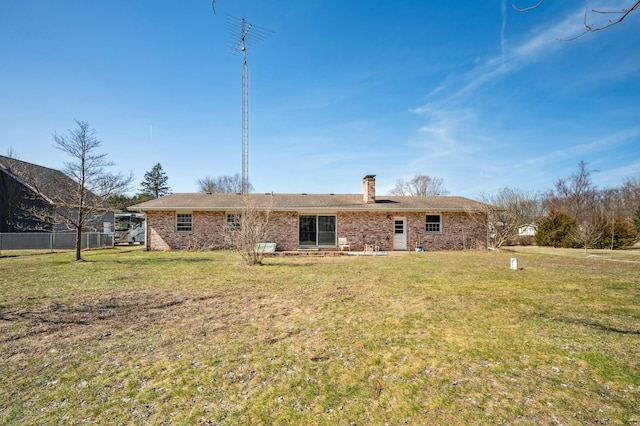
<point x="306" y="221"/>
<point x="18" y="196"/>
<point x="528" y="230"/>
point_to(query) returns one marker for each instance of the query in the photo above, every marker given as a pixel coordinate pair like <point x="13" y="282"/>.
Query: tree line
<point x="574" y="213"/>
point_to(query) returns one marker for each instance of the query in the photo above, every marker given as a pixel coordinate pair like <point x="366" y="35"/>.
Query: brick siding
<point x="459" y="231"/>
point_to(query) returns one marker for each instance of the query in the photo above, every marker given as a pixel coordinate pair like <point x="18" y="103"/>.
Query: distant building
<point x="528" y="230"/>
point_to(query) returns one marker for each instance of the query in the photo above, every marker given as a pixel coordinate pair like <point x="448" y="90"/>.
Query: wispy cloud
<point x="462" y="137"/>
<point x="451" y="124"/>
<point x="542" y="41"/>
<point x="615" y="176"/>
<point x="447" y="130"/>
<point x="503" y="27"/>
<point x="606" y="143"/>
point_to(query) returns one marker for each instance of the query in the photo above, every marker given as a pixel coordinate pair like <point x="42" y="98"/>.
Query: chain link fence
<point x="53" y="240"/>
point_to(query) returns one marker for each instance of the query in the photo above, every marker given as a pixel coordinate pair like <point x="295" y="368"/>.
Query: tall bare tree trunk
<point x="78" y="243"/>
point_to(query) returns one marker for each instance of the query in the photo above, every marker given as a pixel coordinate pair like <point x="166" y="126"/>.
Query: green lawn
<point x="133" y="337"/>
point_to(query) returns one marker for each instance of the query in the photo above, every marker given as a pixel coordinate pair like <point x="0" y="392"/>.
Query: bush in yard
<point x="246" y="230"/>
<point x="521" y="240"/>
<point x="624" y="234"/>
<point x="556" y="229"/>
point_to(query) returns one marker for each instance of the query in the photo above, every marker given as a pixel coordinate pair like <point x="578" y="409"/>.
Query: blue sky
<point x="470" y="92"/>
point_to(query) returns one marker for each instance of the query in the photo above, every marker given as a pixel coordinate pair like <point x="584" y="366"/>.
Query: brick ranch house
<point x="318" y="221"/>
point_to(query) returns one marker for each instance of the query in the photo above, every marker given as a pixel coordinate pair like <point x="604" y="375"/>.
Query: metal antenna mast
<point x="248" y="34"/>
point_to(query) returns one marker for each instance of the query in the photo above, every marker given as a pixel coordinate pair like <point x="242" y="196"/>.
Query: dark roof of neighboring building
<point x="33" y="175"/>
<point x="309" y="202"/>
<point x="50" y="184"/>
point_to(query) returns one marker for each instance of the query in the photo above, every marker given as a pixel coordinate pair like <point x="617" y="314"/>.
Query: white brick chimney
<point x="369" y="192"/>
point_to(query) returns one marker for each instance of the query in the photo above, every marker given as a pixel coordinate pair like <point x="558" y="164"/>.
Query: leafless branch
<point x="524" y="9"/>
<point x="248" y="230"/>
<point x="508" y="211"/>
<point x="420" y="186"/>
<point x="77" y="197"/>
<point x="222" y="184"/>
<point x="589" y="233"/>
<point x="589" y="28"/>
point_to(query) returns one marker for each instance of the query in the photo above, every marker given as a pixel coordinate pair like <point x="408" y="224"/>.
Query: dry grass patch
<point x="187" y="338"/>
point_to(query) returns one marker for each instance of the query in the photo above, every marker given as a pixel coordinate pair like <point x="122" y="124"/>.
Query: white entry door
<point x="399" y="233"/>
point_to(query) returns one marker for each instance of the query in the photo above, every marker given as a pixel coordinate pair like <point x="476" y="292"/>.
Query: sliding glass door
<point x="308" y="231"/>
<point x="317" y="230"/>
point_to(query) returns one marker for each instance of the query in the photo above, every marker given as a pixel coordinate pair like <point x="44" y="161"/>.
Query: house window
<point x="317" y="230"/>
<point x="184" y="222"/>
<point x="233" y="221"/>
<point x="433" y="224"/>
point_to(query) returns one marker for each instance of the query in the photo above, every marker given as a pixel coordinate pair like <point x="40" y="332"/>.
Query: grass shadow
<point x="596" y="325"/>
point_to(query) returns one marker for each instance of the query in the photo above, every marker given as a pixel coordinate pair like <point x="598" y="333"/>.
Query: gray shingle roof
<point x="45" y="179"/>
<point x="307" y="202"/>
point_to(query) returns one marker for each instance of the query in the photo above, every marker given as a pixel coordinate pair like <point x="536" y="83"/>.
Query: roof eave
<point x="312" y="208"/>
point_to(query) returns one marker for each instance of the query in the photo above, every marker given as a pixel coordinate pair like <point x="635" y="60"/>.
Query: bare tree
<point x="576" y="195"/>
<point x="81" y="200"/>
<point x="629" y="197"/>
<point x="508" y="211"/>
<point x="591" y="28"/>
<point x="246" y="229"/>
<point x="420" y="186"/>
<point x="12" y="153"/>
<point x="588" y="234"/>
<point x="599" y="215"/>
<point x="222" y="184"/>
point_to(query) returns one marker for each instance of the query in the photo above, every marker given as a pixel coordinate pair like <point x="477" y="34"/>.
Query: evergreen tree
<point x="121" y="201"/>
<point x="555" y="230"/>
<point x="155" y="183"/>
<point x="619" y="234"/>
<point x="636" y="219"/>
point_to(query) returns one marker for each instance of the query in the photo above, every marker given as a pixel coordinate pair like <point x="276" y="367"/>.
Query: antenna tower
<point x="248" y="34"/>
